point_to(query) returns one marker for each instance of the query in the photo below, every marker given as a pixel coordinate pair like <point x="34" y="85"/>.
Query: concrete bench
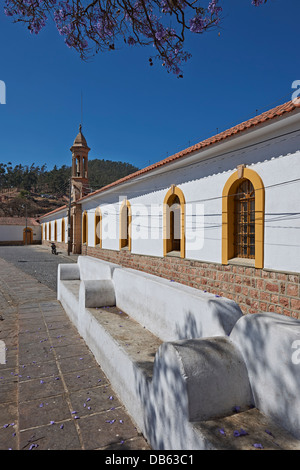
<point x="270" y="346"/>
<point x="91" y="276"/>
<point x="203" y="382"/>
<point x="182" y="360"/>
<point x="171" y="310"/>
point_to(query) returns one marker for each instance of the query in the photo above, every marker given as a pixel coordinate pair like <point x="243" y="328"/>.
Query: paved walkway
<point x="53" y="394"/>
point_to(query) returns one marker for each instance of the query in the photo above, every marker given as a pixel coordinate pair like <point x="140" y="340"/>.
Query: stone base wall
<point x="255" y="290"/>
<point x="19" y="243"/>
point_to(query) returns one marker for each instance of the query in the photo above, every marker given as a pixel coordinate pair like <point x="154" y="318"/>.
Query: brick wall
<point x="255" y="290"/>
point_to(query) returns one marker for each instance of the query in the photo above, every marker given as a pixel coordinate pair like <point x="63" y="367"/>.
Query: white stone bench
<point x="256" y="370"/>
<point x="171" y="310"/>
<point x="87" y="274"/>
<point x="270" y="346"/>
<point x="180" y="359"/>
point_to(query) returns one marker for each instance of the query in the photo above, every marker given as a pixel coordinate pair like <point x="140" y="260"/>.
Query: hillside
<point x="41" y="191"/>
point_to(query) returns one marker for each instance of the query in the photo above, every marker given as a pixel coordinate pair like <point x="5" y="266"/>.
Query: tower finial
<point x="80" y="127"/>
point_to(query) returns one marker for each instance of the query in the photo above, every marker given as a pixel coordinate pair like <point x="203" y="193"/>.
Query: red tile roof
<point x="266" y="116"/>
<point x="244" y="126"/>
<point x="18" y="221"/>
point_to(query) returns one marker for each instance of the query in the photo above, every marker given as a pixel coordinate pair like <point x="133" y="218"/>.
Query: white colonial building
<point x="222" y="215"/>
<point x="19" y="231"/>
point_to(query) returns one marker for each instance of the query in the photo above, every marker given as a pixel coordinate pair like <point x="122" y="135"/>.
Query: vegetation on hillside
<point x="38" y="190"/>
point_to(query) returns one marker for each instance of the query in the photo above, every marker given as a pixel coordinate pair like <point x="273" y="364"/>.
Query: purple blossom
<point x="213" y="8"/>
<point x="239" y="433"/>
<point x="99" y="25"/>
<point x="32" y="446"/>
<point x="258" y="446"/>
<point x="197" y="24"/>
<point x="161" y="34"/>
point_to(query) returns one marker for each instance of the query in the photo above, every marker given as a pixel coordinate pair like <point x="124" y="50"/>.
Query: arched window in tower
<point x="78" y="166"/>
<point x="85" y="228"/>
<point x="244" y="220"/>
<point x="98" y="227"/>
<point x="174" y="222"/>
<point x="125" y="225"/>
<point x="63" y="229"/>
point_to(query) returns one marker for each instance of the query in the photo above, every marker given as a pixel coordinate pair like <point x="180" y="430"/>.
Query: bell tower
<point x="79" y="180"/>
<point x="79" y="188"/>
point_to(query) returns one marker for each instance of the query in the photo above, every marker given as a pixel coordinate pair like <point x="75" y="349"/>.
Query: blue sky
<point x="136" y="113"/>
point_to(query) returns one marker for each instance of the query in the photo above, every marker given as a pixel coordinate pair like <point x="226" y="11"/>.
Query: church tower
<point x="79" y="188"/>
<point x="79" y="180"/>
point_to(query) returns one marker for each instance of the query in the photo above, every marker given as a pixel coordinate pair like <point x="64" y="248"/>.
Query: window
<point x="55" y="231"/>
<point x="244" y="223"/>
<point x="174" y="222"/>
<point x="63" y="230"/>
<point x="85" y="228"/>
<point x="243" y="209"/>
<point x="98" y="222"/>
<point x="125" y="225"/>
<point x="49" y="230"/>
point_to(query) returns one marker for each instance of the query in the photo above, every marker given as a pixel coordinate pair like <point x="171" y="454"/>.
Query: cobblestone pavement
<point x="38" y="261"/>
<point x="53" y="394"/>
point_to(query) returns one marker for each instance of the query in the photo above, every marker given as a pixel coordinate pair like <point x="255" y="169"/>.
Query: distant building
<point x="222" y="215"/>
<point x="19" y="231"/>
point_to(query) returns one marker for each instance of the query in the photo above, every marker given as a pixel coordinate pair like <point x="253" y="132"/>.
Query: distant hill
<point x="103" y="172"/>
<point x="42" y="191"/>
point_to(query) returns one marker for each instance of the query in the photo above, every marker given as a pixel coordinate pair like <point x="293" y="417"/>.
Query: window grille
<point x="244" y="227"/>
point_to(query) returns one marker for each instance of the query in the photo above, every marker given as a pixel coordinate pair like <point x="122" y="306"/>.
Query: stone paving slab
<point x="53" y="394"/>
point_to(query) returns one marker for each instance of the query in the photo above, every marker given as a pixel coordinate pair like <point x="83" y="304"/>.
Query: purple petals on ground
<point x="110" y="421"/>
<point x="32" y="446"/>
<point x="258" y="446"/>
<point x="239" y="433"/>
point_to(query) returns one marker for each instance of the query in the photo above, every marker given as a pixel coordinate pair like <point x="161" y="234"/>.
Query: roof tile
<point x="260" y="119"/>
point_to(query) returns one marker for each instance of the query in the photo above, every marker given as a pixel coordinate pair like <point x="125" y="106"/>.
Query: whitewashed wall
<point x="272" y="150"/>
<point x="15" y="232"/>
<point x="275" y="158"/>
<point x="51" y="220"/>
